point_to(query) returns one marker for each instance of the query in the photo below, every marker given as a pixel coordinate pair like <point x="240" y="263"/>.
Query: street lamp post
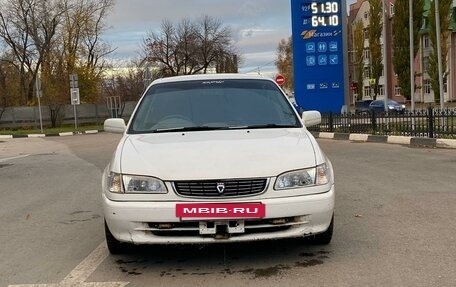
<point x="385" y="66"/>
<point x="39" y="93"/>
<point x="412" y="72"/>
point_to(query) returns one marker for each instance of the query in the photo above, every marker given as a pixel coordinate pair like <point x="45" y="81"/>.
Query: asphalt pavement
<point x="394" y="224"/>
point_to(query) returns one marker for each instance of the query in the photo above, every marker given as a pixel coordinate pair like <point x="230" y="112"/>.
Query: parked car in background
<point x="378" y="106"/>
<point x="216" y="159"/>
<point x="362" y="107"/>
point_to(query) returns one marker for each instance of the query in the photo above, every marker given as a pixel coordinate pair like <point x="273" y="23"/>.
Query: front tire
<point x="114" y="245"/>
<point x="325" y="237"/>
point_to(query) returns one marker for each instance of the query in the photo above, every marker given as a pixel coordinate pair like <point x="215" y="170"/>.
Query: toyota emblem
<point x="220" y="187"/>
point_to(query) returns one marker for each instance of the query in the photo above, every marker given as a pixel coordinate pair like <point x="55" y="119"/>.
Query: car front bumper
<point x="156" y="222"/>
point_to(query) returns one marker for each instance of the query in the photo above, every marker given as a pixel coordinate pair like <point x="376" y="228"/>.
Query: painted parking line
<point x="13" y="157"/>
<point x="82" y="272"/>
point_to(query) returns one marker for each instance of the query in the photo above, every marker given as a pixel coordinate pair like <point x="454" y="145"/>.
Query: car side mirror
<point x="115" y="126"/>
<point x="311" y="118"/>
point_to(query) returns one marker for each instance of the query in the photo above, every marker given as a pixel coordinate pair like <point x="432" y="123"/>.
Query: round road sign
<point x="280" y="79"/>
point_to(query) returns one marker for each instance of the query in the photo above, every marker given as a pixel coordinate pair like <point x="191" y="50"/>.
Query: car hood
<point x="215" y="154"/>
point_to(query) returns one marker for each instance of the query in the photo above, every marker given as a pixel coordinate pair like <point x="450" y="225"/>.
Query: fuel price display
<point x="318" y="54"/>
<point x="322" y="13"/>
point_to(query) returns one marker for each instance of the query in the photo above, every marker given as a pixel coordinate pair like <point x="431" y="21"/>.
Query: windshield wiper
<point x="214" y="128"/>
<point x="188" y="129"/>
<point x="265" y="126"/>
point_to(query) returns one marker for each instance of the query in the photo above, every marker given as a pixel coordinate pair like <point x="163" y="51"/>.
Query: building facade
<point x="360" y="11"/>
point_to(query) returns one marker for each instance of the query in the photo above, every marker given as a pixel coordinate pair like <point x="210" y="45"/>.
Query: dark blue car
<point x="362" y="107"/>
<point x="378" y="106"/>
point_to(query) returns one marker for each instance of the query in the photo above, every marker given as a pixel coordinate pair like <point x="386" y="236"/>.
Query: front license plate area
<point x="217" y="227"/>
<point x="214" y="211"/>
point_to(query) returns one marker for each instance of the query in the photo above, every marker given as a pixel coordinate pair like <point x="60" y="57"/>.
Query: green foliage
<point x="445" y="20"/>
<point x="375" y="47"/>
<point x="401" y="41"/>
<point x="9" y="84"/>
<point x="358" y="46"/>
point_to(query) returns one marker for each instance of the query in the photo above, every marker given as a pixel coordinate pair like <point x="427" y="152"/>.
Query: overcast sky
<point x="258" y="25"/>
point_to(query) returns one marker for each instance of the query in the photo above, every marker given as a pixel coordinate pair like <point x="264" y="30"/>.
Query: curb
<point x="401" y="140"/>
<point x="50" y="135"/>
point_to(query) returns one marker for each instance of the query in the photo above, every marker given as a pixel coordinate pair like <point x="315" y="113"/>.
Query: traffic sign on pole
<point x="74" y="95"/>
<point x="74" y="81"/>
<point x="75" y="100"/>
<point x="280" y="80"/>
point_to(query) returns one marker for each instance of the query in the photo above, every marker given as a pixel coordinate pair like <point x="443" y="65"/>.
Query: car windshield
<point x="213" y="104"/>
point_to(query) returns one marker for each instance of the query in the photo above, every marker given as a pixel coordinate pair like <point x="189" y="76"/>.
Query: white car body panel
<point x="216" y="154"/>
<point x="128" y="220"/>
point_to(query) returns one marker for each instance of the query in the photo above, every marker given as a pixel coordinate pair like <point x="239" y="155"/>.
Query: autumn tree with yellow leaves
<point x="52" y="39"/>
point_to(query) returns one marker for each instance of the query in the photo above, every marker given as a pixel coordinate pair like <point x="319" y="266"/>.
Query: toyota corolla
<point x="216" y="159"/>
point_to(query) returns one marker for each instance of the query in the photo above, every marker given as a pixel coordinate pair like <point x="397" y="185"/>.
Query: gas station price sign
<point x="318" y="54"/>
<point x="323" y="13"/>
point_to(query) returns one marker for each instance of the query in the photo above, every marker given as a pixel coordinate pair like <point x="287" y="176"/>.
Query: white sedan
<point x="216" y="159"/>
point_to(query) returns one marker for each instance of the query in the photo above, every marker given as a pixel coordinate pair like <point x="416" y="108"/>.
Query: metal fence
<point x="430" y="123"/>
<point x="28" y="117"/>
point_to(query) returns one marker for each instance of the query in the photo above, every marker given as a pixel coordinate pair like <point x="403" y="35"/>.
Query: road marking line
<point x="87" y="266"/>
<point x="13" y="157"/>
<point x="83" y="271"/>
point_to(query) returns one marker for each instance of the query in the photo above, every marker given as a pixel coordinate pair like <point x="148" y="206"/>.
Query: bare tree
<point x="214" y="41"/>
<point x="28" y="27"/>
<point x="190" y="47"/>
<point x="185" y="39"/>
<point x="54" y="38"/>
<point x="4" y="67"/>
<point x="14" y="34"/>
<point x="44" y="25"/>
<point x="284" y="61"/>
<point x="128" y="85"/>
<point x="160" y="49"/>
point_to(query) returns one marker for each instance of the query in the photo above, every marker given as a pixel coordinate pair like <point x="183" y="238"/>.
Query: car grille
<point x="212" y="188"/>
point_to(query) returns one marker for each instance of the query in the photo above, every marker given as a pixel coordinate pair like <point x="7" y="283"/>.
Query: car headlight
<point x="118" y="183"/>
<point x="319" y="175"/>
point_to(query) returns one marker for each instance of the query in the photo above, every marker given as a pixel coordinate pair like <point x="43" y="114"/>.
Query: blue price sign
<point x="318" y="54"/>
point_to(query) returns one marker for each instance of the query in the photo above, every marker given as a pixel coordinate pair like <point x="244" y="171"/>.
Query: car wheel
<point x="114" y="245"/>
<point x="323" y="238"/>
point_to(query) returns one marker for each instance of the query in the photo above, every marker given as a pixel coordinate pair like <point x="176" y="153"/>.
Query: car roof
<point x="213" y="77"/>
<point x="382" y="100"/>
